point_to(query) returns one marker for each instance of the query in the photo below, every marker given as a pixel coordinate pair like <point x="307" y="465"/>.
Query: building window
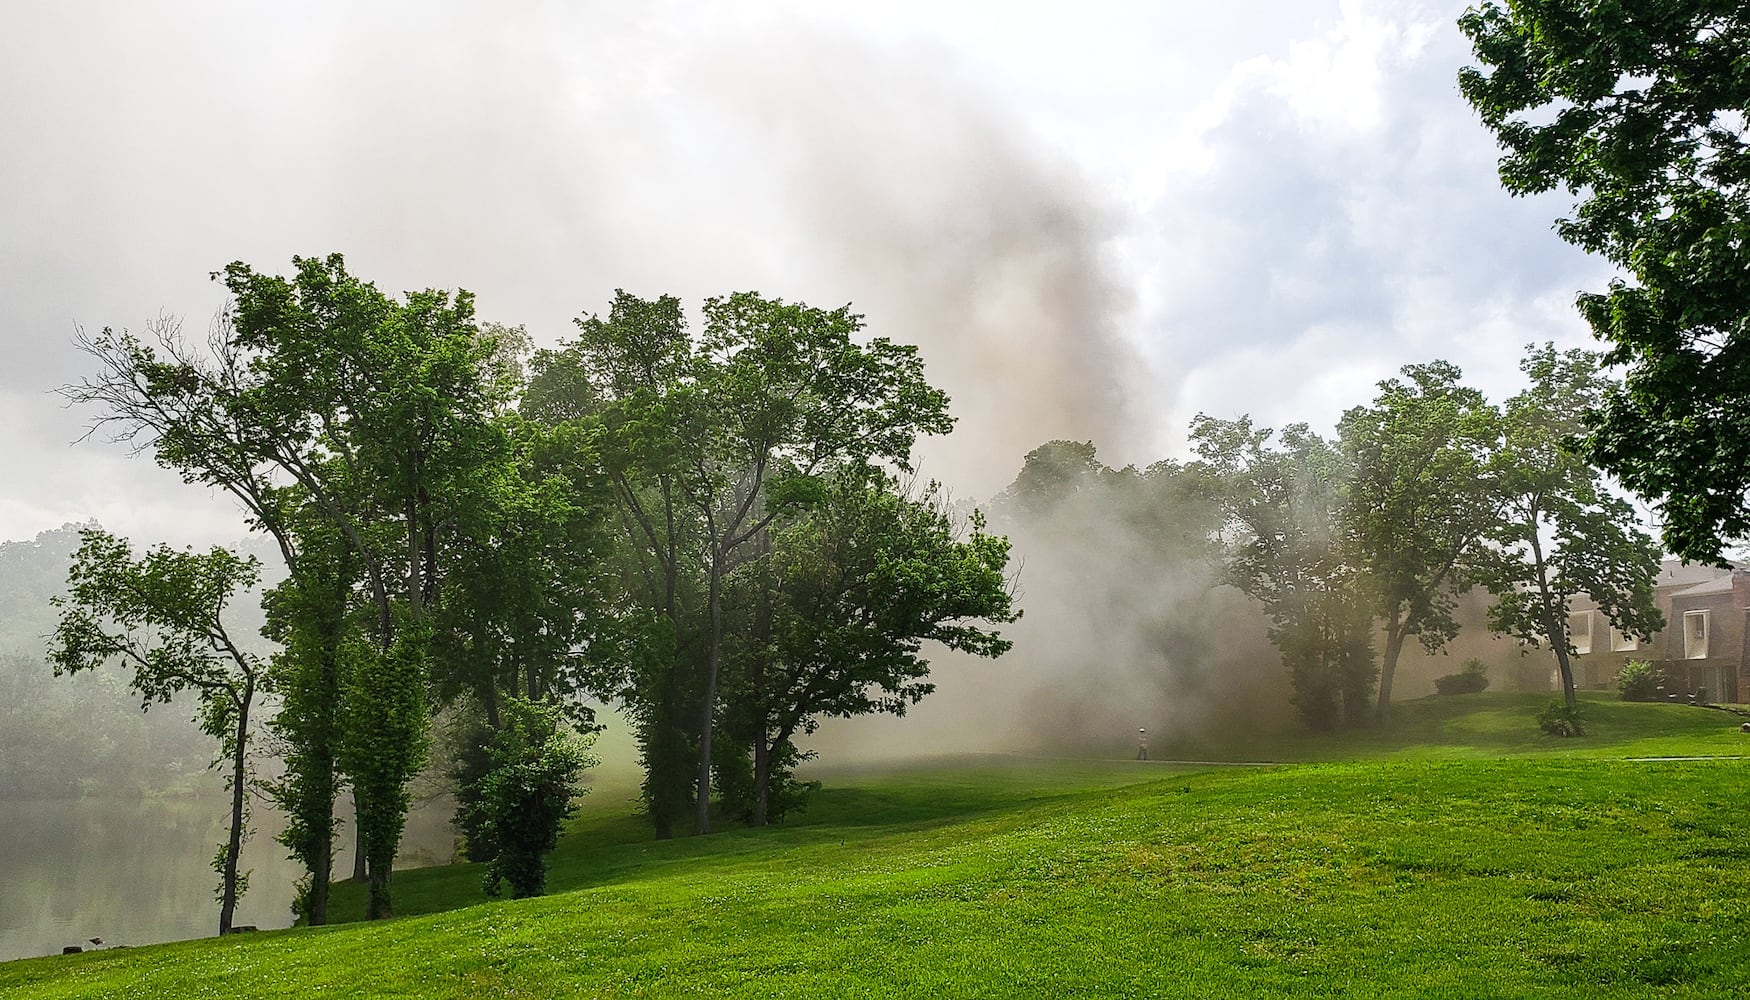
<point x="1621" y="642"/>
<point x="1580" y="632"/>
<point x="1695" y="628"/>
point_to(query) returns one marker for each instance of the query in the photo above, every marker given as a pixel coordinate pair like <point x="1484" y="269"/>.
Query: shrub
<point x="1639" y="680"/>
<point x="1472" y="679"/>
<point x="525" y="795"/>
<point x="1557" y="719"/>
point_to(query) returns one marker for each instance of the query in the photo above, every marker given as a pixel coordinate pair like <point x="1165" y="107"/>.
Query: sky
<point x="1094" y="221"/>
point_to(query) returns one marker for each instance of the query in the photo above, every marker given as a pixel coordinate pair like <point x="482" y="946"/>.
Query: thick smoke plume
<point x="1127" y="625"/>
<point x="917" y="199"/>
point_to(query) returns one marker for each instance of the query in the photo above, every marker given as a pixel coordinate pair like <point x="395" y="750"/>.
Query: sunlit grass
<point x="1481" y="862"/>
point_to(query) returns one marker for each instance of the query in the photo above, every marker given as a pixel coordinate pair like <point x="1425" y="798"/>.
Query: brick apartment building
<point x="1704" y="647"/>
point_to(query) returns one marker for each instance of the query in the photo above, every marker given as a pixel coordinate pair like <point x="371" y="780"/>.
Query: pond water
<point x="136" y="872"/>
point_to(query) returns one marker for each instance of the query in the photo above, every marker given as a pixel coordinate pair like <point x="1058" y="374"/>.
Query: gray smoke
<point x="1126" y="626"/>
<point x="543" y="156"/>
<point x="918" y="199"/>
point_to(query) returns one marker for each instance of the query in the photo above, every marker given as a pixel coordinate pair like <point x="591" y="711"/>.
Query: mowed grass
<point x="1450" y="855"/>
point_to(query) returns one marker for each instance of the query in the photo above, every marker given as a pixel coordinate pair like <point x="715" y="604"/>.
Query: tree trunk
<point x="1388" y="665"/>
<point x="415" y="587"/>
<point x="665" y="759"/>
<point x="708" y="711"/>
<point x="321" y="876"/>
<point x="1553" y="627"/>
<point x="1567" y="672"/>
<point x="358" y="838"/>
<point x="1558" y="640"/>
<point x="234" y="844"/>
<point x="762" y="780"/>
<point x="322" y="749"/>
<point x="661" y="738"/>
<point x="762" y="751"/>
<point x="489" y="699"/>
<point x="377" y="899"/>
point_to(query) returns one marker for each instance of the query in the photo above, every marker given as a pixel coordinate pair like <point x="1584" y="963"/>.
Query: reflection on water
<point x="140" y="872"/>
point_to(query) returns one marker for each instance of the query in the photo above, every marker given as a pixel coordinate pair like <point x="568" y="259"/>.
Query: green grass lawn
<point x="1456" y="853"/>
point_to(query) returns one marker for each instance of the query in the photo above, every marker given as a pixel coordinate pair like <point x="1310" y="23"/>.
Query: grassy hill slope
<point x="1451" y="855"/>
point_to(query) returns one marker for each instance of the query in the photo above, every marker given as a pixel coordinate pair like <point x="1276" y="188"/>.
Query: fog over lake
<point x="136" y="872"/>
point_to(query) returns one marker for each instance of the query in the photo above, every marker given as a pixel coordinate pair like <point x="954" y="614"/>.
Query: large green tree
<point x="710" y="438"/>
<point x="386" y="413"/>
<point x="1287" y="548"/>
<point x="164" y="615"/>
<point x="1416" y="503"/>
<point x="311" y="614"/>
<point x="1638" y="111"/>
<point x="626" y="384"/>
<point x="189" y="404"/>
<point x="341" y="418"/>
<point x="835" y="611"/>
<point x="527" y="594"/>
<point x="1561" y="533"/>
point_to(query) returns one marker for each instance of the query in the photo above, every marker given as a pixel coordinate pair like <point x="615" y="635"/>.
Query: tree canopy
<point x="1288" y="549"/>
<point x="708" y="441"/>
<point x="837" y="606"/>
<point x="1561" y="533"/>
<point x="1416" y="502"/>
<point x="1638" y="111"/>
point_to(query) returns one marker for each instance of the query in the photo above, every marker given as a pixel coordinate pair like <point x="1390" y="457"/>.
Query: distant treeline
<point x="67" y="737"/>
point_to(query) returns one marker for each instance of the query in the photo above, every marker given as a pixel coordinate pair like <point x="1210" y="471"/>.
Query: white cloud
<point x="1337" y="217"/>
<point x="1093" y="222"/>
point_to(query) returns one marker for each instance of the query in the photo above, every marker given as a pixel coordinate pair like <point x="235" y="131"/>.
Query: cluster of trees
<point x="1371" y="536"/>
<point x="1425" y="492"/>
<point x="1639" y="111"/>
<point x="707" y="530"/>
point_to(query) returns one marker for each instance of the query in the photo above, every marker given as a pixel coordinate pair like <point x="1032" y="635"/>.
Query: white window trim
<point x="1580" y="635"/>
<point x="1691" y="641"/>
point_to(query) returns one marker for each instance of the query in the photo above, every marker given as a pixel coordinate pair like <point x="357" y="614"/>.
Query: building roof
<point x="1723" y="585"/>
<point x="1677" y="573"/>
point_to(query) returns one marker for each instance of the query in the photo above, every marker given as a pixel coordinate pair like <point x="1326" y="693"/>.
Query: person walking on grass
<point x="1142" y="744"/>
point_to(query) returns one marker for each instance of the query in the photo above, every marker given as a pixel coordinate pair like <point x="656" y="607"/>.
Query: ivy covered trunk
<point x="386" y="743"/>
<point x="239" y="788"/>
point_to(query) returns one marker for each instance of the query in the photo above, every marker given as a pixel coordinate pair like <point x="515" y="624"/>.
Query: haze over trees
<point x="1371" y="538"/>
<point x="709" y="529"/>
<point x="1288" y="549"/>
<point x="77" y="735"/>
<point x="837" y="604"/>
<point x="711" y="532"/>
<point x="1128" y="623"/>
<point x="713" y="447"/>
<point x="163" y="616"/>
